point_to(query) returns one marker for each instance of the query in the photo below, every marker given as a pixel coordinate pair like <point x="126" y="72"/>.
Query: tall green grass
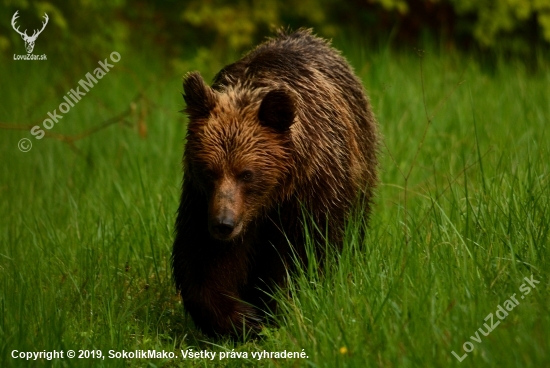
<point x="461" y="217"/>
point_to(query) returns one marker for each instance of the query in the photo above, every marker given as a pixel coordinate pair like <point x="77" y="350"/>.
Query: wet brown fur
<point x="286" y="129"/>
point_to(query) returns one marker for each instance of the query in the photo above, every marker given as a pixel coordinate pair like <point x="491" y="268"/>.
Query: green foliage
<point x="220" y="29"/>
<point x="494" y="22"/>
<point x="400" y="5"/>
<point x="498" y="18"/>
<point x="236" y="23"/>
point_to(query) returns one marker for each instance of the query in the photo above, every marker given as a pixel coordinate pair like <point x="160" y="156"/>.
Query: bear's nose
<point x="224" y="226"/>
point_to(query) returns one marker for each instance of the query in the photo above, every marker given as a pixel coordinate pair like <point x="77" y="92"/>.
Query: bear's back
<point x="290" y="59"/>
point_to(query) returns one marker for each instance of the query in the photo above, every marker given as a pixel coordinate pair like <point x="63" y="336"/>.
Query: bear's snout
<point x="225" y="212"/>
<point x="223" y="225"/>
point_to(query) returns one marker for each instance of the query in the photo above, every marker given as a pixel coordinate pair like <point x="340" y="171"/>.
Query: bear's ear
<point x="199" y="97"/>
<point x="277" y="110"/>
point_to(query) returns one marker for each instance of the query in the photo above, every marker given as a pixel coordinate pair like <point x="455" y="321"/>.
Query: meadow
<point x="461" y="218"/>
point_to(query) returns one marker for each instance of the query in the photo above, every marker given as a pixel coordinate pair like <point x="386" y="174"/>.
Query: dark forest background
<point x="203" y="30"/>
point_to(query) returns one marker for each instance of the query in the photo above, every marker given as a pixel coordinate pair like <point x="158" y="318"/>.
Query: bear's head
<point x="238" y="152"/>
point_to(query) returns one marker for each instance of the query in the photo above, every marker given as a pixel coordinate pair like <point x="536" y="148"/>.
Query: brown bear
<point x="283" y="135"/>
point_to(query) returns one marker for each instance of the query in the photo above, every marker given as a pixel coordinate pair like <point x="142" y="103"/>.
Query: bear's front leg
<point x="210" y="280"/>
<point x="216" y="311"/>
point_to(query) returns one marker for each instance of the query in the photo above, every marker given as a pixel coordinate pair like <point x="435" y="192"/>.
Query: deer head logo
<point x="29" y="40"/>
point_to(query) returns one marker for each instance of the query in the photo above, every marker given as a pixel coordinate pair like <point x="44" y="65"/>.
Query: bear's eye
<point x="246" y="175"/>
<point x="209" y="174"/>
